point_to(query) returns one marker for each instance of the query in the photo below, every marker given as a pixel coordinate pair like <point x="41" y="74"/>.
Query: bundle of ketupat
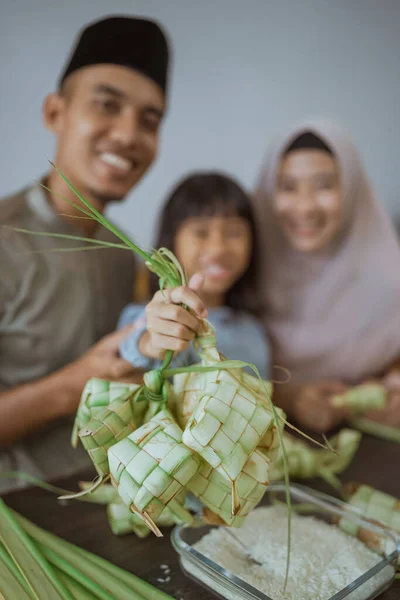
<point x="372" y="505"/>
<point x="152" y="464"/>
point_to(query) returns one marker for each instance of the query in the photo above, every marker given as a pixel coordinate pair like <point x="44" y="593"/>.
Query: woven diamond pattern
<point x="151" y="466"/>
<point x="227" y="425"/>
<point x="186" y="393"/>
<point x="99" y="393"/>
<point x="111" y="425"/>
<point x="215" y="491"/>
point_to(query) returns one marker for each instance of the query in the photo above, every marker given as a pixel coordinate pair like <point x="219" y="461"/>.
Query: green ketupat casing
<point x="151" y="466"/>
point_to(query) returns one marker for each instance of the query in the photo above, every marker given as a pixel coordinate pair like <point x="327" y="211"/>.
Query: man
<point x="56" y="306"/>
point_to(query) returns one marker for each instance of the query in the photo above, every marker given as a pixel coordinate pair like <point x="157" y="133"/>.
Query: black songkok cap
<point x="139" y="44"/>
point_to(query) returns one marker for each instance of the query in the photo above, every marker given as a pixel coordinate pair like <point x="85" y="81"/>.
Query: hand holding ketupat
<point x="102" y="361"/>
<point x="169" y="325"/>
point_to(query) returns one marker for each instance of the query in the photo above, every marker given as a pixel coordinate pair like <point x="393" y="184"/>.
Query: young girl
<point x="209" y="225"/>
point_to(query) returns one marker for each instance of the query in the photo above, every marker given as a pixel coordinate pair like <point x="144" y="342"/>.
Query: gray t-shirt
<point x="53" y="307"/>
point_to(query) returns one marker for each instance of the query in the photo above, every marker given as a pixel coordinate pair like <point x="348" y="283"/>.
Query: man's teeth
<point x="116" y="161"/>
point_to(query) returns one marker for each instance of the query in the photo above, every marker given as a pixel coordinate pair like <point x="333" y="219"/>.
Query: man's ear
<point x="53" y="111"/>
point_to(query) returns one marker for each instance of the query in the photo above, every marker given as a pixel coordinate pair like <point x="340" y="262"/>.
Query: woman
<point x="331" y="267"/>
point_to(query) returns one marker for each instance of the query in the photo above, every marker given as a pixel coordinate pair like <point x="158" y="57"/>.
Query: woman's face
<point x="308" y="199"/>
<point x="218" y="246"/>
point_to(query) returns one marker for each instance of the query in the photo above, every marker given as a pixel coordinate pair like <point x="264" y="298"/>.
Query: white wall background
<point x="242" y="70"/>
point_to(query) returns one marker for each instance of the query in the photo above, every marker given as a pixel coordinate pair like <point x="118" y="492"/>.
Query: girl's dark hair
<point x="206" y="194"/>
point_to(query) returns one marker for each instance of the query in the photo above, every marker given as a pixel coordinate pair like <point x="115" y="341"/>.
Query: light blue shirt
<point x="240" y="336"/>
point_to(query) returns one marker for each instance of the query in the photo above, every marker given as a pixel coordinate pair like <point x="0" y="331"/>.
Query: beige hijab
<point x="335" y="315"/>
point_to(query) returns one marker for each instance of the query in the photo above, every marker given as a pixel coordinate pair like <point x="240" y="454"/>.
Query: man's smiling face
<point x="106" y="120"/>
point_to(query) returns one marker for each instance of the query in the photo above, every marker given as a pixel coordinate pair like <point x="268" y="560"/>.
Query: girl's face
<point x="219" y="246"/>
<point x="308" y="199"/>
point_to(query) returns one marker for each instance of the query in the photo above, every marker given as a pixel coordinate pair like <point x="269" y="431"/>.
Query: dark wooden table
<point x="376" y="463"/>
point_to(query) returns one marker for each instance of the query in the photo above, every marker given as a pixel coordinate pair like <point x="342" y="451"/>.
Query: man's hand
<point x="31" y="406"/>
<point x="103" y="361"/>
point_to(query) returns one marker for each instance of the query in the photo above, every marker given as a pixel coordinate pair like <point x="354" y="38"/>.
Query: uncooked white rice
<point x="323" y="558"/>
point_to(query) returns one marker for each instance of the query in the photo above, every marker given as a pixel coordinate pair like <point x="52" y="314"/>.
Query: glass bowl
<point x="224" y="584"/>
